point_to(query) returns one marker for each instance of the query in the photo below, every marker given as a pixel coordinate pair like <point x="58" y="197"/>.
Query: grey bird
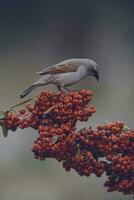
<point x="65" y="73"/>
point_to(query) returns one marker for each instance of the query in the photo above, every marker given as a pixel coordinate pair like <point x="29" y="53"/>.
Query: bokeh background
<point x="40" y="33"/>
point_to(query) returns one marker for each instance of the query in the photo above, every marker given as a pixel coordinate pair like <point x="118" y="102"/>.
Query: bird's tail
<point x="29" y="89"/>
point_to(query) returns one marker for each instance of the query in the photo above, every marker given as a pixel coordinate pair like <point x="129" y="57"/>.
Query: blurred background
<point x="41" y="33"/>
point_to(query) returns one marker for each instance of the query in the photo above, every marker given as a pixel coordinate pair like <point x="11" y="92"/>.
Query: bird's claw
<point x="63" y="89"/>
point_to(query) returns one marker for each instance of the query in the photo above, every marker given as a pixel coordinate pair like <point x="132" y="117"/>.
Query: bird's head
<point x="93" y="70"/>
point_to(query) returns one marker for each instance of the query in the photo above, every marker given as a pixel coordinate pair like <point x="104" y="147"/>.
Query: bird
<point x="65" y="73"/>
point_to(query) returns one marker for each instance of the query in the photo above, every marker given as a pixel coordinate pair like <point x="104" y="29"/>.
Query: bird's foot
<point x="62" y="88"/>
<point x="67" y="89"/>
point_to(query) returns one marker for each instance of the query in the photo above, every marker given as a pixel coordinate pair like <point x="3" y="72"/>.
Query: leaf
<point x="4" y="129"/>
<point x="2" y="115"/>
<point x="1" y="112"/>
<point x="4" y="126"/>
<point x="125" y="128"/>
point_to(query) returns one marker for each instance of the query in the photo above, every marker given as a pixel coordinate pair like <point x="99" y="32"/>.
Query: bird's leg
<point x="62" y="88"/>
<point x="59" y="88"/>
<point x="66" y="89"/>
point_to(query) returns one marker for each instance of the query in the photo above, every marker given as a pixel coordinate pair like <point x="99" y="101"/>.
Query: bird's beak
<point x="96" y="75"/>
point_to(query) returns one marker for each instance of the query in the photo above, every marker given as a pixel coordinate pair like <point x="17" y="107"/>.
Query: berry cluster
<point x="108" y="149"/>
<point x="117" y="147"/>
<point x="52" y="110"/>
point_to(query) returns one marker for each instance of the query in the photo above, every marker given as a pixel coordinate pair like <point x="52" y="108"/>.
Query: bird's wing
<point x="57" y="69"/>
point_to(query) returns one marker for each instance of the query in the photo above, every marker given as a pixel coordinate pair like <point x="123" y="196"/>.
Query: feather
<point x="57" y="69"/>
